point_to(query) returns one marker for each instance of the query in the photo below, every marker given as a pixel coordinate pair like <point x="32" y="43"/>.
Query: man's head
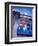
<point x="22" y="22"/>
<point x="16" y="14"/>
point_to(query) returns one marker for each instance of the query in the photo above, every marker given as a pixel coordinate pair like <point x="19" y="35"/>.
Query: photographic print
<point x="21" y="22"/>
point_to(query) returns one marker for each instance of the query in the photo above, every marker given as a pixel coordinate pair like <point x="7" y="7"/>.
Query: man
<point x="15" y="23"/>
<point x="22" y="29"/>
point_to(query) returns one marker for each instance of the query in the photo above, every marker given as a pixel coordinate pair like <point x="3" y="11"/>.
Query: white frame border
<point x="33" y="26"/>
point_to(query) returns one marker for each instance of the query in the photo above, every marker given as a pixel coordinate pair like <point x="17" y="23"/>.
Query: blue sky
<point x="26" y="11"/>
